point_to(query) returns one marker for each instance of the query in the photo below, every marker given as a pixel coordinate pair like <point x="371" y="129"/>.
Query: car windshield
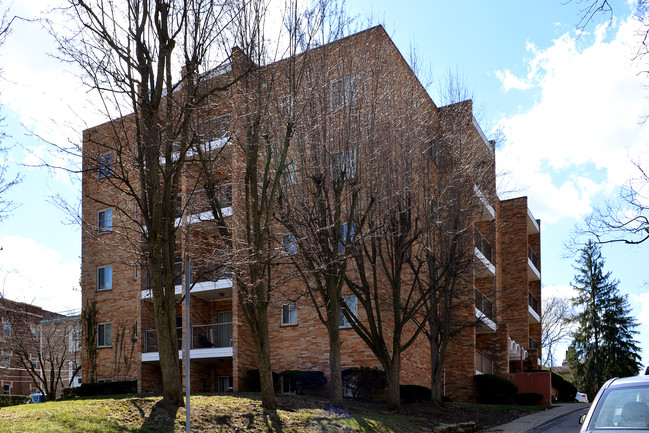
<point x="622" y="408"/>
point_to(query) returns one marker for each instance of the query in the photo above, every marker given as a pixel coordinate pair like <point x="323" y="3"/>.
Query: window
<point x="105" y="165"/>
<point x="343" y="165"/>
<point x="34" y="362"/>
<point x="289" y="384"/>
<point x="6" y="389"/>
<point x="350" y="301"/>
<point x="105" y="278"/>
<point x="289" y="314"/>
<point x="342" y="92"/>
<point x="434" y="152"/>
<point x="287" y="105"/>
<point x="73" y="373"/>
<point x="105" y="220"/>
<point x="6" y="329"/>
<point x="223" y="125"/>
<point x="104" y="335"/>
<point x="289" y="175"/>
<point x="74" y="337"/>
<point x="343" y="236"/>
<point x="34" y="332"/>
<point x="224" y="383"/>
<point x="289" y="244"/>
<point x="6" y="360"/>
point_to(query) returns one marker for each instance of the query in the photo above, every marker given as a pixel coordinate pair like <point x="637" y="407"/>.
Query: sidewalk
<point x="529" y="422"/>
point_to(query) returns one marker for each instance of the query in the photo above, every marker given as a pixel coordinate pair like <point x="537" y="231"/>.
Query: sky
<point x="566" y="104"/>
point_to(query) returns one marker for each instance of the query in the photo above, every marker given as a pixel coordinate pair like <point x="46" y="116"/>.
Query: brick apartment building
<point x="42" y="338"/>
<point x="503" y="291"/>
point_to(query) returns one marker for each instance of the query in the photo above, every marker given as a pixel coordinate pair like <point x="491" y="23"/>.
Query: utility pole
<point x="188" y="336"/>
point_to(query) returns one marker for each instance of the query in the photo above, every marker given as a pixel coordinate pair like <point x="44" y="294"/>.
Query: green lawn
<point x="210" y="413"/>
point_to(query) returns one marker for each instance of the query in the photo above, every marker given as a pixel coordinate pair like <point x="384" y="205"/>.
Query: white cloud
<point x="584" y="125"/>
<point x="558" y="291"/>
<point x="33" y="273"/>
<point x="510" y="81"/>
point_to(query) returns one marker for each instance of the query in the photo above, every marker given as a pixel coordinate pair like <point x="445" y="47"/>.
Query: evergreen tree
<point x="604" y="338"/>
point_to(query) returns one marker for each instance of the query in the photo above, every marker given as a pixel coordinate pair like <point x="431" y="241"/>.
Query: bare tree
<point x="555" y="325"/>
<point x="320" y="194"/>
<point x="6" y="180"/>
<point x="147" y="59"/>
<point x="267" y="103"/>
<point x="623" y="221"/>
<point x="46" y="345"/>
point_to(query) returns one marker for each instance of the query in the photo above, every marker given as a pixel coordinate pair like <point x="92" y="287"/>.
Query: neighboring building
<point x="502" y="309"/>
<point x="36" y="339"/>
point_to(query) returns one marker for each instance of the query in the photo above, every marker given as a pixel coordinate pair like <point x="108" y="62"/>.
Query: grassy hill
<point x="240" y="413"/>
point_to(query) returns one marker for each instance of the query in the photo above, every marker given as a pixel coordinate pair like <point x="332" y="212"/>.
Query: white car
<point x="581" y="397"/>
<point x="621" y="405"/>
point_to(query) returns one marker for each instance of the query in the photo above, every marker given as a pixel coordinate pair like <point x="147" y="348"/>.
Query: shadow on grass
<point x="161" y="419"/>
<point x="272" y="421"/>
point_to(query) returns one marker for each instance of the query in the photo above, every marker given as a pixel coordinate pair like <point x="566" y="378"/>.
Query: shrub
<point x="254" y="381"/>
<point x="414" y="393"/>
<point x="69" y="392"/>
<point x="362" y="382"/>
<point x="565" y="390"/>
<point x="107" y="388"/>
<point x="527" y="398"/>
<point x="493" y="389"/>
<point x="301" y="380"/>
<point x="13" y="400"/>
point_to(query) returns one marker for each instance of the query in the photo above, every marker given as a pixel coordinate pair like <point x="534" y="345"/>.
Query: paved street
<point x="561" y="418"/>
<point x="566" y="424"/>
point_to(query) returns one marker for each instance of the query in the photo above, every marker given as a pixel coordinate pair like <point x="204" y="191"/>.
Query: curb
<point x="556" y="417"/>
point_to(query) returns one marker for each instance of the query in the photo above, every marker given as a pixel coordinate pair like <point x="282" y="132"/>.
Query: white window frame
<point x="102" y="283"/>
<point x="107" y="337"/>
<point x="107" y="225"/>
<point x="346" y="161"/>
<point x="343" y="92"/>
<point x="289" y="314"/>
<point x="289" y="244"/>
<point x="289" y="175"/>
<point x="343" y="236"/>
<point x="105" y="165"/>
<point x="352" y="304"/>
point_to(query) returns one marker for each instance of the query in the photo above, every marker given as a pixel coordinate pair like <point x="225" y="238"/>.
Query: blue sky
<point x="569" y="106"/>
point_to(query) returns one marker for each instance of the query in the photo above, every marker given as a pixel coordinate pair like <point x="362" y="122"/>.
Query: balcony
<point x="199" y="209"/>
<point x="210" y="285"/>
<point x="533" y="309"/>
<point x="534" y="345"/>
<point x="208" y="342"/>
<point x="484" y="312"/>
<point x="533" y="266"/>
<point x="516" y="352"/>
<point x="483" y="364"/>
<point x="533" y="226"/>
<point x="487" y="212"/>
<point x="483" y="252"/>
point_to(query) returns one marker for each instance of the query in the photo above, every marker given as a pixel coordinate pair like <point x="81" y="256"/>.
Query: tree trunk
<point x="165" y="315"/>
<point x="393" y="376"/>
<point x="335" y="373"/>
<point x="263" y="361"/>
<point x="435" y="373"/>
